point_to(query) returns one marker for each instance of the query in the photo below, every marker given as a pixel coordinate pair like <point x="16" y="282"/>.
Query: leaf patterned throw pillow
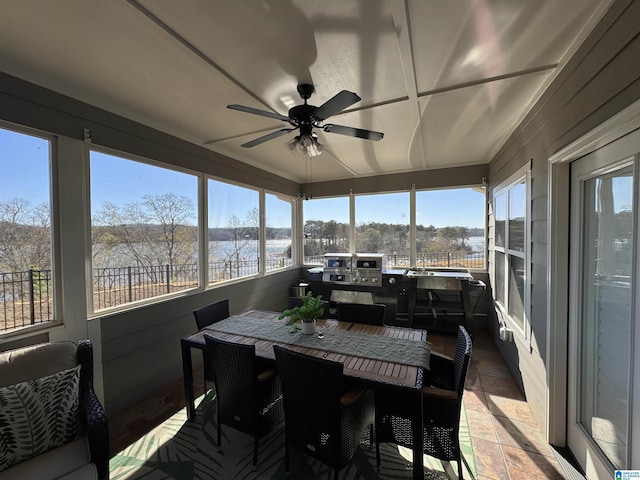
<point x="38" y="415"/>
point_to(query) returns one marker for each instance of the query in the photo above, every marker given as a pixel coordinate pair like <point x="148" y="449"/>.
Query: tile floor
<point x="507" y="441"/>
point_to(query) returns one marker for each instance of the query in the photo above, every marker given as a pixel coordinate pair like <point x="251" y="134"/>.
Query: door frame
<point x="558" y="228"/>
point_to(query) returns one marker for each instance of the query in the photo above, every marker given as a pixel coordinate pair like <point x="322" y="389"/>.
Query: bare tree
<point x="156" y="231"/>
<point x="25" y="236"/>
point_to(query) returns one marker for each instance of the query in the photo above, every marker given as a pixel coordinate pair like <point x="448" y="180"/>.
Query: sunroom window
<point x="26" y="280"/>
<point x="278" y="246"/>
<point x="511" y="265"/>
<point x="234" y="231"/>
<point x="144" y="230"/>
<point x="325" y="228"/>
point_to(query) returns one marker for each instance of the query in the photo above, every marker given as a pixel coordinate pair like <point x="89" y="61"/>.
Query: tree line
<point x="158" y="230"/>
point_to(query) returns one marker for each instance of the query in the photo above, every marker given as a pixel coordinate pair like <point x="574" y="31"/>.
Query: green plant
<point x="311" y="309"/>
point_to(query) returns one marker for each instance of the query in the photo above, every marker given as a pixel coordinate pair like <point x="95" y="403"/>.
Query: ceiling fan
<point x="306" y="117"/>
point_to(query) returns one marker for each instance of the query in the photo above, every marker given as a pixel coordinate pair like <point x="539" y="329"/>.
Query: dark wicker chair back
<point x="248" y="400"/>
<point x="441" y="416"/>
<point x="461" y="360"/>
<point x="211" y="314"/>
<point x="369" y="314"/>
<point x="297" y="302"/>
<point x="316" y="422"/>
<point x="205" y="316"/>
<point x="396" y="408"/>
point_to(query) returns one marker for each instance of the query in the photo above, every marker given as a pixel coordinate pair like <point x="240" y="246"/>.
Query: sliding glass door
<point x="604" y="293"/>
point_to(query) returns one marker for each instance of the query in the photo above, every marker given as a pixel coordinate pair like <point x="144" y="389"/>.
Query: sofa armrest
<point x="94" y="422"/>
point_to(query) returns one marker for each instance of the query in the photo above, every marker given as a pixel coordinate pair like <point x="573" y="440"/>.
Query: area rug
<point x="182" y="450"/>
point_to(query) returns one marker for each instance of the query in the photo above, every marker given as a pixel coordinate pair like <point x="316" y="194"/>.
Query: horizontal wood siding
<point x="601" y="79"/>
<point x="141" y="347"/>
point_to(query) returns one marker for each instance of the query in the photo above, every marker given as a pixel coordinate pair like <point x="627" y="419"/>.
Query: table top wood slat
<point x="354" y="366"/>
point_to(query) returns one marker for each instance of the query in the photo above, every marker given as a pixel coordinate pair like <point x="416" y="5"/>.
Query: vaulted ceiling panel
<point x="446" y="82"/>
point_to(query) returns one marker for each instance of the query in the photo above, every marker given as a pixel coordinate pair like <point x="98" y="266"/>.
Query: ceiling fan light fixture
<point x="307" y="140"/>
<point x="306" y="145"/>
<point x="293" y="144"/>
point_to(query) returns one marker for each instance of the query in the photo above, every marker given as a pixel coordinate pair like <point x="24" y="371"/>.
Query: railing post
<point x="168" y="280"/>
<point x="32" y="305"/>
<point x="130" y="283"/>
<point x="448" y="259"/>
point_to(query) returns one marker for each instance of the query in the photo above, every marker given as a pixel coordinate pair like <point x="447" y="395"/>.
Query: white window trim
<point x="54" y="229"/>
<point x="522" y="333"/>
<point x="263" y="229"/>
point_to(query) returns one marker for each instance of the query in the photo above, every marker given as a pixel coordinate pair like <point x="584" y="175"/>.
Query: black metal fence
<point x="26" y="297"/>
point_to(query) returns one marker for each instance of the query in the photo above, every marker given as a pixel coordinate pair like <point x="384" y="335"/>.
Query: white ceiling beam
<point x="400" y="14"/>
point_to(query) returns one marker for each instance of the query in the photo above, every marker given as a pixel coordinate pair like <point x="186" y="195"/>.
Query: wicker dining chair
<point x="205" y="316"/>
<point x="248" y="400"/>
<point x="441" y="403"/>
<point x="321" y="420"/>
<point x="369" y="314"/>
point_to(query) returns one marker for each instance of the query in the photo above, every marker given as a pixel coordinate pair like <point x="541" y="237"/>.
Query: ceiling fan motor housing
<point x="302" y="114"/>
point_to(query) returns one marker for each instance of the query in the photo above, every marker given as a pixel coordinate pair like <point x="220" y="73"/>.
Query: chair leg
<point x="286" y="458"/>
<point x="377" y="455"/>
<point x="255" y="454"/>
<point x="460" y="468"/>
<point x="219" y="432"/>
<point x="466" y="464"/>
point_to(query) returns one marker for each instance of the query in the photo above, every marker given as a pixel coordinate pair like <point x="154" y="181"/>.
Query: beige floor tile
<point x="532" y="466"/>
<point x="481" y="425"/>
<point x="523" y="435"/>
<point x="506" y="407"/>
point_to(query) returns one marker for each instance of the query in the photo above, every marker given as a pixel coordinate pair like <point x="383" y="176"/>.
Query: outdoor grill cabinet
<point x="44" y="378"/>
<point x="433" y="298"/>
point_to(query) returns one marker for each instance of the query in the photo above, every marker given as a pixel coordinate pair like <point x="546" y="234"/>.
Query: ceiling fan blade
<point x="353" y="132"/>
<point x="255" y="111"/>
<point x="336" y="104"/>
<point x="267" y="137"/>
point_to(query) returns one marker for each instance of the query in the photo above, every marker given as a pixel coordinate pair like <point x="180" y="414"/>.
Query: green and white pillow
<point x="38" y="415"/>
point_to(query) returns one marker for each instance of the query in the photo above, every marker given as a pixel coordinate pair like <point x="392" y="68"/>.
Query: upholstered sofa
<point x="52" y="425"/>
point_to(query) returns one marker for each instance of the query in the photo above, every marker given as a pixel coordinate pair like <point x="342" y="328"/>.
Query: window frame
<point x="203" y="227"/>
<point x="91" y="311"/>
<point x="262" y="228"/>
<point x="523" y="332"/>
<point x="411" y="224"/>
<point x="54" y="218"/>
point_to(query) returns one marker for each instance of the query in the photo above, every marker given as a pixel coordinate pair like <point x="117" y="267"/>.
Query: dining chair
<point x="440" y="403"/>
<point x="321" y="420"/>
<point x="369" y="314"/>
<point x="205" y="316"/>
<point x="210" y="314"/>
<point x="248" y="400"/>
<point x="297" y="302"/>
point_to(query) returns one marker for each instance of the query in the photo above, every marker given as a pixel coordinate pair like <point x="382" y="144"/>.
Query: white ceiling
<point x="446" y="81"/>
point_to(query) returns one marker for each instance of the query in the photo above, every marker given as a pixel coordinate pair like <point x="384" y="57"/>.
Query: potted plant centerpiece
<point x="311" y="309"/>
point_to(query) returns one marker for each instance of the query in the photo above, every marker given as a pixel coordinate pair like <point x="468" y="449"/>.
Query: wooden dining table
<point x="372" y="356"/>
